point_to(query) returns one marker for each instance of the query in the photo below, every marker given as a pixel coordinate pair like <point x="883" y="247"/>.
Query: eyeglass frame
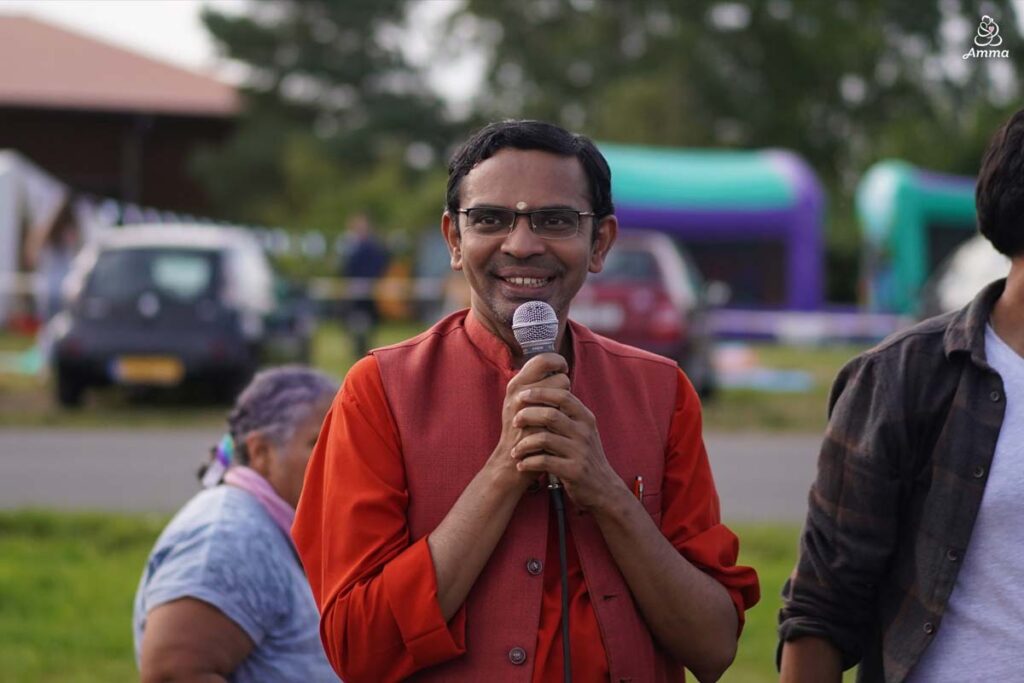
<point x="529" y="214"/>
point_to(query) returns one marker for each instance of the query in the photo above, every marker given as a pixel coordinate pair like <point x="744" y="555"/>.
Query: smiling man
<point x="424" y="525"/>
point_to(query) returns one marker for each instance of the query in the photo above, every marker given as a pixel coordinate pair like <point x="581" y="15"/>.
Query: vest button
<point x="978" y="472"/>
<point x="534" y="566"/>
<point x="929" y="628"/>
<point x="995" y="396"/>
<point x="517" y="656"/>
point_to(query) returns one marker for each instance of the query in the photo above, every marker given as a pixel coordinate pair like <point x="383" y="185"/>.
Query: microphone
<point x="535" y="327"/>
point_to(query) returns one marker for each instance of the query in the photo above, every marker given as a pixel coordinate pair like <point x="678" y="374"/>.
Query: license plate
<point x="162" y="370"/>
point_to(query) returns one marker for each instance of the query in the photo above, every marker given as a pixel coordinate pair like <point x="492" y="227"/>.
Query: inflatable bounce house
<point x="750" y="219"/>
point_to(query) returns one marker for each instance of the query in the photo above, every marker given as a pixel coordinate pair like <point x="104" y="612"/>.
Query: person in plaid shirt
<point x="910" y="560"/>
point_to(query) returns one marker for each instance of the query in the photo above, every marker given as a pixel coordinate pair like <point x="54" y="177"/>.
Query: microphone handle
<point x="553" y="482"/>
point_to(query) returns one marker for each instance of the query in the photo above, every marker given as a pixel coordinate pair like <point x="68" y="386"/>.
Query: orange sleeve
<point x="377" y="593"/>
<point x="690" y="515"/>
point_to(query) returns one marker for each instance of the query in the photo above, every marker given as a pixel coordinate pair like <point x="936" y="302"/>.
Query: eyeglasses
<point x="550" y="224"/>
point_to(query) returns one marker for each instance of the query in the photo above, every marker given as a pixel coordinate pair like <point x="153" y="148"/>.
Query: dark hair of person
<point x="999" y="195"/>
<point x="532" y="135"/>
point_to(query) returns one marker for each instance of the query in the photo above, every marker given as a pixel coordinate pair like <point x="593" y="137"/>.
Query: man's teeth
<point x="527" y="281"/>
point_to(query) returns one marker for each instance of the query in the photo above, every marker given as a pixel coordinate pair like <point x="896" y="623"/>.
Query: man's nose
<point x="522" y="241"/>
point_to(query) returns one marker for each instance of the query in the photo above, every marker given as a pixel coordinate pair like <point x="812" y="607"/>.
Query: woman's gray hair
<point x="275" y="403"/>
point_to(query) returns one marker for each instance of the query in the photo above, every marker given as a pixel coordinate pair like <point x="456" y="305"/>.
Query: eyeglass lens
<point x="551" y="223"/>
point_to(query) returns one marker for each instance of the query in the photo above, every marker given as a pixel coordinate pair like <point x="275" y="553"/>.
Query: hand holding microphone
<point x="566" y="444"/>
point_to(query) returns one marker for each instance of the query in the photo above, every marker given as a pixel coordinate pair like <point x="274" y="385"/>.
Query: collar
<point x="251" y="481"/>
<point x="495" y="352"/>
<point x="966" y="330"/>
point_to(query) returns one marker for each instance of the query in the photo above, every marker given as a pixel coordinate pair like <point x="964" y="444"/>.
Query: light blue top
<point x="224" y="549"/>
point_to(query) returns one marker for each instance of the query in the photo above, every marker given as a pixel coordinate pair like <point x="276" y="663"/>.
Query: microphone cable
<point x="556" y="498"/>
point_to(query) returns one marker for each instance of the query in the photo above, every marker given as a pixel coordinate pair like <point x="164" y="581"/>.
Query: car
<point x="651" y="295"/>
<point x="956" y="280"/>
<point x="167" y="305"/>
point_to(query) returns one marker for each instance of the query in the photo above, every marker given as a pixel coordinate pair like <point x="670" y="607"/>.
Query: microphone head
<point x="535" y="327"/>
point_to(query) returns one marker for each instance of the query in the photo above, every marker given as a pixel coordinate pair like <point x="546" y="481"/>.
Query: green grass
<point x="26" y="400"/>
<point x="66" y="588"/>
<point x="67" y="582"/>
<point x="772" y="551"/>
<point x="745" y="409"/>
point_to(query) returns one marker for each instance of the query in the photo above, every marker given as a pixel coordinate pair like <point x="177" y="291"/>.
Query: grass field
<point x="25" y="400"/>
<point x="67" y="582"/>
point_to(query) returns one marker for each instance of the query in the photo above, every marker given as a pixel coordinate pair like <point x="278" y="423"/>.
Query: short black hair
<point x="999" y="195"/>
<point x="528" y="135"/>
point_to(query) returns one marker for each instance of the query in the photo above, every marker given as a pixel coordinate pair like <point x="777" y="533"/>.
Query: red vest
<point x="445" y="388"/>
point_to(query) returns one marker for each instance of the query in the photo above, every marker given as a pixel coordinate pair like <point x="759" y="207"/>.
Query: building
<point x="105" y="120"/>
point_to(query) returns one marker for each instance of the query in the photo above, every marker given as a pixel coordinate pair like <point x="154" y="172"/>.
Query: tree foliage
<point x="338" y="120"/>
<point x="331" y="107"/>
<point x="844" y="82"/>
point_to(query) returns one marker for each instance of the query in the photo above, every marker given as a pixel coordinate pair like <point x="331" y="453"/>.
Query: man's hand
<point x="544" y="372"/>
<point x="560" y="437"/>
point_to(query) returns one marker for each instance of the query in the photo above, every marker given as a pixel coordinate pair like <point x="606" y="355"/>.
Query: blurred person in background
<point x="223" y="596"/>
<point x="50" y="253"/>
<point x="910" y="556"/>
<point x="424" y="525"/>
<point x="364" y="260"/>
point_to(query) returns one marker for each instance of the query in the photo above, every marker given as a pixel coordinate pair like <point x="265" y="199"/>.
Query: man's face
<point x="504" y="272"/>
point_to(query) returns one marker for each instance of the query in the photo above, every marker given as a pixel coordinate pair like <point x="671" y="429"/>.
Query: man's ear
<point x="258" y="449"/>
<point x="606" y="230"/>
<point x="453" y="239"/>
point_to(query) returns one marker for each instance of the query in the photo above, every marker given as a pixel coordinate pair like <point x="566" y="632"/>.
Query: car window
<point x="629" y="264"/>
<point x="249" y="281"/>
<point x="124" y="274"/>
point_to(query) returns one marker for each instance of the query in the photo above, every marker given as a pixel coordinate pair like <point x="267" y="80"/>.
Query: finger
<point x="559" y="380"/>
<point x="564" y="400"/>
<point x="539" y="367"/>
<point x="544" y="363"/>
<point x="543" y="442"/>
<point x="560" y="467"/>
<point x="545" y="417"/>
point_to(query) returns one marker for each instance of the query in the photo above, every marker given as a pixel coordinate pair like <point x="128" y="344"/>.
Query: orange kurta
<point x="373" y="586"/>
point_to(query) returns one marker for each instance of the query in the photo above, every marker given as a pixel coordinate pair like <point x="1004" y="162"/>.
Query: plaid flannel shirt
<point x="913" y="425"/>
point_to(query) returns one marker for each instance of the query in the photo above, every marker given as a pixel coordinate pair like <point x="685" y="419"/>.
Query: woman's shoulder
<point x="223" y="538"/>
<point x="225" y="519"/>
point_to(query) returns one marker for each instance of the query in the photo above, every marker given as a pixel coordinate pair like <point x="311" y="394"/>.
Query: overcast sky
<point x="172" y="30"/>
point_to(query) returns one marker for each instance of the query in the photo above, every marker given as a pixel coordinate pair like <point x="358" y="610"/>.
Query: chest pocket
<point x="652" y="503"/>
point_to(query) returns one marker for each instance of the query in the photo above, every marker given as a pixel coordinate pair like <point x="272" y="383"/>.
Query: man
<point x="910" y="560"/>
<point x="365" y="260"/>
<point x="424" y="527"/>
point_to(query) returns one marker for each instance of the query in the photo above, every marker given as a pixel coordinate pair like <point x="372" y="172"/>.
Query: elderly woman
<point x="223" y="596"/>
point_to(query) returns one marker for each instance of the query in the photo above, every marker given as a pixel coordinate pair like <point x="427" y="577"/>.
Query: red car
<point x="650" y="295"/>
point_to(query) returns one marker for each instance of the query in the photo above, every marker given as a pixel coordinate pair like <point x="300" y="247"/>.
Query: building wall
<point x="131" y="157"/>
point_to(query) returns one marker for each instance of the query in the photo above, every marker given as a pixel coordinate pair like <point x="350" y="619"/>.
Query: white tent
<point x="29" y="197"/>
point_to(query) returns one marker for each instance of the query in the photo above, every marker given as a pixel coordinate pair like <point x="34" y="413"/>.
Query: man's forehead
<point x="526" y="179"/>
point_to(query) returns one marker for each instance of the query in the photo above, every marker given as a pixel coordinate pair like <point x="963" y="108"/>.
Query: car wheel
<point x="70" y="390"/>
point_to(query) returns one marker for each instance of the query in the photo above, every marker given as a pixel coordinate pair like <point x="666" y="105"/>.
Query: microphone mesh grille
<point x="535" y="324"/>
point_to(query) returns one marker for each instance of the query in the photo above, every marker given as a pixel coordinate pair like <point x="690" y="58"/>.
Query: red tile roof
<point x="42" y="65"/>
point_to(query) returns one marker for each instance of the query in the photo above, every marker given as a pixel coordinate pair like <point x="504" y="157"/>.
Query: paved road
<point x="760" y="477"/>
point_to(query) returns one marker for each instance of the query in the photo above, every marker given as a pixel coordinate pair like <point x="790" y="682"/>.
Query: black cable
<point x="556" y="498"/>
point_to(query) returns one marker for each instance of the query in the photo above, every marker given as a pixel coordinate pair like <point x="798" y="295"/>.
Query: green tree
<point x="333" y="113"/>
<point x="845" y="83"/>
